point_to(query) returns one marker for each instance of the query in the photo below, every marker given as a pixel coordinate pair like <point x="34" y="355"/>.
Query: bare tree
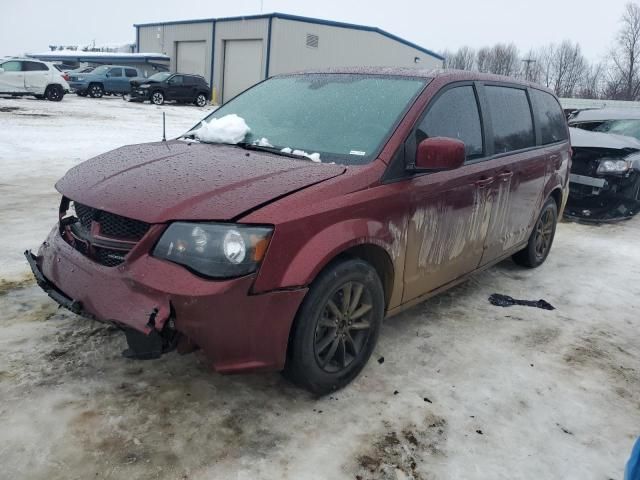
<point x="463" y="59"/>
<point x="568" y="67"/>
<point x="501" y="59"/>
<point x="592" y="84"/>
<point x="626" y="55"/>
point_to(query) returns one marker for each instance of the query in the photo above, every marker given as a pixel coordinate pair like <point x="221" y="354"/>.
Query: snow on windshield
<point x="228" y="129"/>
<point x="314" y="157"/>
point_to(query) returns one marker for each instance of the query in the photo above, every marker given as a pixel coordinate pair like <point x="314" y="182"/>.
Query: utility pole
<point x="528" y="62"/>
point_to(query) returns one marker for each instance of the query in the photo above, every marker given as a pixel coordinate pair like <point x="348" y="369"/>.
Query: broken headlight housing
<point x="215" y="250"/>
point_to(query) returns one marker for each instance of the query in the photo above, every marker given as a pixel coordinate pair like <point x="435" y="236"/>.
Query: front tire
<point x="96" y="90"/>
<point x="541" y="239"/>
<point x="54" y="93"/>
<point x="157" y="98"/>
<point x="336" y="328"/>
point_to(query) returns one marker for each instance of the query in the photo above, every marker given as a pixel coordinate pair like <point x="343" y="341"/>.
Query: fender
<point x="322" y="247"/>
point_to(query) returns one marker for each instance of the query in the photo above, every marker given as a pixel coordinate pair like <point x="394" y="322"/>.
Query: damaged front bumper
<point x="602" y="199"/>
<point x="237" y="330"/>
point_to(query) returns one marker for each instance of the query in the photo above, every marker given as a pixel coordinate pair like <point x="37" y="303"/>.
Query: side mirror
<point x="440" y="153"/>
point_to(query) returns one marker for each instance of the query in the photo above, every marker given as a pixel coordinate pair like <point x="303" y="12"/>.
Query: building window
<point x="312" y="40"/>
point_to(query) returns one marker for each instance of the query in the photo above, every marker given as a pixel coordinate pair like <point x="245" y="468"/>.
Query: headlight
<point x="79" y="79"/>
<point x="613" y="166"/>
<point x="214" y="250"/>
<point x="145" y="86"/>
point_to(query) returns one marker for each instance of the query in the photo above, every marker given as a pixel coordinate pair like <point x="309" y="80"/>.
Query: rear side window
<point x="115" y="72"/>
<point x="34" y="67"/>
<point x="12" y="66"/>
<point x="130" y="72"/>
<point x="550" y="117"/>
<point x="455" y="114"/>
<point x="511" y="119"/>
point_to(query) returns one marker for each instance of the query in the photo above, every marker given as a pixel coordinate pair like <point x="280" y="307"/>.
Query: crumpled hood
<point x="587" y="139"/>
<point x="158" y="182"/>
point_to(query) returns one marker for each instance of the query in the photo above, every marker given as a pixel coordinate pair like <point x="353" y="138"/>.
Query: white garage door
<point x="242" y="66"/>
<point x="191" y="57"/>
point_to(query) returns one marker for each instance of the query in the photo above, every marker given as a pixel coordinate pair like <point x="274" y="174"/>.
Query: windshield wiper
<point x="261" y="148"/>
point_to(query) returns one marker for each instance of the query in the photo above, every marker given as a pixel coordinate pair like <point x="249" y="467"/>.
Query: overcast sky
<point x="31" y="25"/>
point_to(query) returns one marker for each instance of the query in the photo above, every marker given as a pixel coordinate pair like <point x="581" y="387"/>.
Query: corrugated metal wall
<point x="164" y="38"/>
<point x="338" y="47"/>
<point x="256" y="29"/>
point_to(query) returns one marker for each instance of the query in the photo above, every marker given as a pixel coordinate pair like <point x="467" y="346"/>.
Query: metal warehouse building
<point x="237" y="52"/>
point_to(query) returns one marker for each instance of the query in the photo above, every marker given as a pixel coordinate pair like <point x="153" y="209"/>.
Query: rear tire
<point x="96" y="90"/>
<point x="336" y="328"/>
<point x="201" y="100"/>
<point x="54" y="93"/>
<point x="541" y="239"/>
<point x="157" y="98"/>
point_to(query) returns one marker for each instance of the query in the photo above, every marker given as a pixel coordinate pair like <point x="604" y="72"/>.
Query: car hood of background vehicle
<point x="158" y="182"/>
<point x="587" y="139"/>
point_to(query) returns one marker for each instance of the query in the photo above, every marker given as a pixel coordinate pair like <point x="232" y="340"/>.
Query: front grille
<point x="121" y="227"/>
<point x="121" y="231"/>
<point x="111" y="225"/>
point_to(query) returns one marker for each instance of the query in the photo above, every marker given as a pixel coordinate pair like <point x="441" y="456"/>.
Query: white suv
<point x="28" y="76"/>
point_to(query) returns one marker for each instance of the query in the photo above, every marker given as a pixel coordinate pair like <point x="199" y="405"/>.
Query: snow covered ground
<point x="466" y="390"/>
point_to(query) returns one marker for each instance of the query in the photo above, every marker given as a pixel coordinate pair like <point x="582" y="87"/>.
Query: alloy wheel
<point x="343" y="327"/>
<point x="201" y="100"/>
<point x="157" y="98"/>
<point x="544" y="233"/>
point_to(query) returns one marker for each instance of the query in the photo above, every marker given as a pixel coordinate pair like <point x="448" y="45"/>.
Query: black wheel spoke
<point x="360" y="312"/>
<point x="332" y="351"/>
<point x="342" y="327"/>
<point x="355" y="298"/>
<point x="334" y="309"/>
<point x="325" y="342"/>
<point x="346" y="298"/>
<point x="354" y="347"/>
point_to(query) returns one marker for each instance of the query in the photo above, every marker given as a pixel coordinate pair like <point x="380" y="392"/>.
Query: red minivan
<point x="324" y="202"/>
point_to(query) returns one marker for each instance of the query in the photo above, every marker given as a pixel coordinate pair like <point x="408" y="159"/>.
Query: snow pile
<point x="263" y="142"/>
<point x="228" y="129"/>
<point x="314" y="157"/>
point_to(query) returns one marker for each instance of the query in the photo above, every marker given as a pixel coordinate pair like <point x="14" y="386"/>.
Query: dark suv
<point x="165" y="86"/>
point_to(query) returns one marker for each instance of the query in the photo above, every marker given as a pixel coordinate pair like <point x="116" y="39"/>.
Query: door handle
<point x="505" y="176"/>
<point x="484" y="182"/>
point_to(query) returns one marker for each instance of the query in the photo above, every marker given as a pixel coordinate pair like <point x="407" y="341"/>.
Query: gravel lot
<point x="457" y="388"/>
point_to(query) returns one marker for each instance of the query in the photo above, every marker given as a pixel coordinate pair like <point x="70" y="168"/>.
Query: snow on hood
<point x="589" y="139"/>
<point x="230" y="129"/>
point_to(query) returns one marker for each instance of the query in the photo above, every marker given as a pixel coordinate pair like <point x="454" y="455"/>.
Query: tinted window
<point x="115" y="72"/>
<point x="550" y="116"/>
<point x="34" y="67"/>
<point x="511" y="118"/>
<point x="176" y="80"/>
<point x="455" y="115"/>
<point x="12" y="66"/>
<point x="130" y="72"/>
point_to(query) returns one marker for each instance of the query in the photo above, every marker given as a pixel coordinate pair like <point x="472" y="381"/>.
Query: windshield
<point x="101" y="70"/>
<point x="160" y="77"/>
<point x="342" y="117"/>
<point x="630" y="128"/>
